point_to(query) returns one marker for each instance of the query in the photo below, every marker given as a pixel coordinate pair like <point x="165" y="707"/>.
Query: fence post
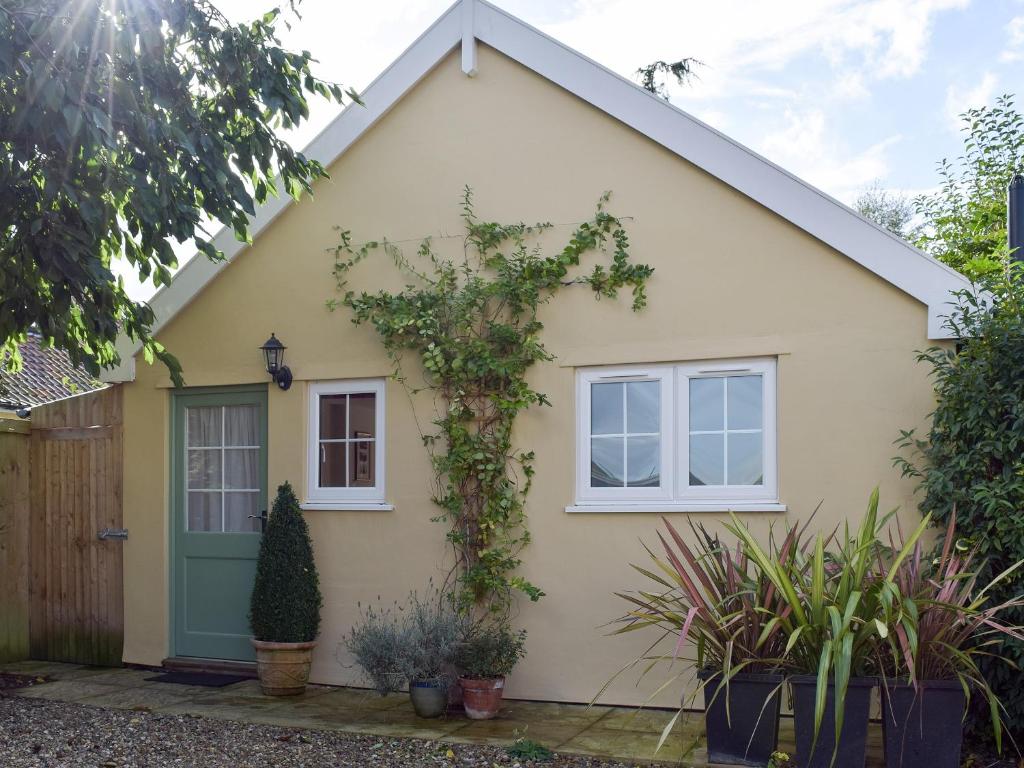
<point x="14" y="539"/>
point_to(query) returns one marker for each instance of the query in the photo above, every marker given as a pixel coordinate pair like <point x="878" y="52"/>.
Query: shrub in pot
<point x="833" y="629"/>
<point x="378" y="644"/>
<point x="718" y="600"/>
<point x="285" y="606"/>
<point x="487" y="654"/>
<point x="943" y="623"/>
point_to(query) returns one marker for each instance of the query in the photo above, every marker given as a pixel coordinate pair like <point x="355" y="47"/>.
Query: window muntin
<point x="346" y="460"/>
<point x="690" y="432"/>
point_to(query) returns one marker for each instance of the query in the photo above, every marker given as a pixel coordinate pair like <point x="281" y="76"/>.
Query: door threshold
<point x="211" y="666"/>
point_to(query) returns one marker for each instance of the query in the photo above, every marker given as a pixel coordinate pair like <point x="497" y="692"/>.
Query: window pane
<point x="202" y="425"/>
<point x="362" y="456"/>
<point x="362" y="410"/>
<point x="332" y="416"/>
<point x="707" y="404"/>
<point x="241" y="468"/>
<point x="332" y="465"/>
<point x="241" y="425"/>
<point x="643" y="406"/>
<point x="237" y="508"/>
<point x="606" y="469"/>
<point x="643" y="462"/>
<point x="203" y="468"/>
<point x="606" y="409"/>
<point x="707" y="459"/>
<point x="204" y="511"/>
<point x="745" y="462"/>
<point x="745" y="408"/>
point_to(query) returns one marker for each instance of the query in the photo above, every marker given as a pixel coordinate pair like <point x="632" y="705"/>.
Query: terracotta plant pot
<point x="481" y="697"/>
<point x="283" y="667"/>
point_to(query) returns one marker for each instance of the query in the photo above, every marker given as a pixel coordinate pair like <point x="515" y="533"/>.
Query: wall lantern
<point x="273" y="353"/>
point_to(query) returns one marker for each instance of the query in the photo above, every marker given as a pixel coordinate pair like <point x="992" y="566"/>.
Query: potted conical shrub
<point x="285" y="609"/>
<point x="486" y="655"/>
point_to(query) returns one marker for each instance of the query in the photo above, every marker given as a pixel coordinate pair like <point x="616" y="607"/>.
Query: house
<point x="768" y="296"/>
<point x="46" y="374"/>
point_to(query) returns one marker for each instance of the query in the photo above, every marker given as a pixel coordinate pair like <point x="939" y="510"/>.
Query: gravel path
<point x="35" y="732"/>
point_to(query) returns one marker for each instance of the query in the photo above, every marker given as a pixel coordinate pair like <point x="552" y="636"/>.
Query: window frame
<point x="675" y="490"/>
<point x="326" y="495"/>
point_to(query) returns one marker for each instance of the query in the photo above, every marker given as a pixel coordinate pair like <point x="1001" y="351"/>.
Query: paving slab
<point x="144" y="698"/>
<point x="65" y="690"/>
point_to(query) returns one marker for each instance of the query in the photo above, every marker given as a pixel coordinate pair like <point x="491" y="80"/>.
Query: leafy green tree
<point x="682" y="71"/>
<point x="965" y="219"/>
<point x="124" y="125"/>
<point x="890" y="210"/>
<point x="971" y="462"/>
<point x="285" y="604"/>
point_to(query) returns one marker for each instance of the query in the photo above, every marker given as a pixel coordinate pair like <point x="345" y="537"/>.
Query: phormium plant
<point x="473" y="324"/>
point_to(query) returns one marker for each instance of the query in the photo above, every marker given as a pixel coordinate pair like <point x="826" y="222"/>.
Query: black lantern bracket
<point x="273" y="356"/>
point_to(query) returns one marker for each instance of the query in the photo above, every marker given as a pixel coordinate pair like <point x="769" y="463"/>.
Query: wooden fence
<point x="74" y="579"/>
<point x="14" y="536"/>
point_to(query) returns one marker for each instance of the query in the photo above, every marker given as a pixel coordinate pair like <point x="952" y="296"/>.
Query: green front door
<point x="218" y="493"/>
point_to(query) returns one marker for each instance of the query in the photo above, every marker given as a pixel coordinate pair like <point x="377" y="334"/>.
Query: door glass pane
<point x="332" y="465"/>
<point x="643" y="406"/>
<point x="202" y="425"/>
<point x="643" y="462"/>
<point x="606" y="468"/>
<point x="606" y="409"/>
<point x="241" y="425"/>
<point x="707" y="460"/>
<point x="707" y="404"/>
<point x="745" y="411"/>
<point x="361" y="464"/>
<point x="332" y="416"/>
<point x="362" y="412"/>
<point x="204" y="511"/>
<point x="238" y="505"/>
<point x="745" y="462"/>
<point x="242" y="468"/>
<point x="204" y="470"/>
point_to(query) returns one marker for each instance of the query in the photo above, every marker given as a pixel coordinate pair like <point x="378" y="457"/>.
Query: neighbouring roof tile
<point x="47" y="374"/>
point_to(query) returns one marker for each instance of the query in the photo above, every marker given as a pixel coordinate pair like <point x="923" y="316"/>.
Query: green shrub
<point x="972" y="461"/>
<point x="286" y="601"/>
<point x="378" y="643"/>
<point x="491" y="649"/>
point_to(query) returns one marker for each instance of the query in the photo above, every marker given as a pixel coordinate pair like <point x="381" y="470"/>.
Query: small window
<point x="702" y="432"/>
<point x="346" y="456"/>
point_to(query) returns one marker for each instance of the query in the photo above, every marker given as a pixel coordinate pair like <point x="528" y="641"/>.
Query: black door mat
<point x="197" y="678"/>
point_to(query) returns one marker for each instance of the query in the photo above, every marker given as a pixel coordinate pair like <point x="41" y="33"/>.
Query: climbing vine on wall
<point x="472" y="322"/>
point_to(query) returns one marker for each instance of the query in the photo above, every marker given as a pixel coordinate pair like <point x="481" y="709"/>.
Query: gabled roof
<point x="46" y="374"/>
<point x="468" y="21"/>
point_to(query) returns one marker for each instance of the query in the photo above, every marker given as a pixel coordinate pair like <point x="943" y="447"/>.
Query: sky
<point x="843" y="93"/>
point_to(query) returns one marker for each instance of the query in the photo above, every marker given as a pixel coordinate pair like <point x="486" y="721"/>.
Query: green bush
<point x="491" y="649"/>
<point x="286" y="601"/>
<point x="972" y="461"/>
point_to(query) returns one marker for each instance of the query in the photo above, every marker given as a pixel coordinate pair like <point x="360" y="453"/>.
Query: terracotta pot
<point x="481" y="698"/>
<point x="283" y="667"/>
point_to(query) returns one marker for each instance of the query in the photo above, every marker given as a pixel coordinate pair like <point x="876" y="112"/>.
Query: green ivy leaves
<point x="472" y="323"/>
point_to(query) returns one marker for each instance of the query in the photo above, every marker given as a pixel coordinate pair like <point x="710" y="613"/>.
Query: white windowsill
<point x="677" y="506"/>
<point x="347" y="506"/>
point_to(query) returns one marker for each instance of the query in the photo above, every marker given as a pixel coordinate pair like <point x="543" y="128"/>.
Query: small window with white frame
<point x="346" y="442"/>
<point x="692" y="436"/>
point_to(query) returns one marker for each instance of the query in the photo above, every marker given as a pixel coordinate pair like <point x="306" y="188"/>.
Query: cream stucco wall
<point x="732" y="279"/>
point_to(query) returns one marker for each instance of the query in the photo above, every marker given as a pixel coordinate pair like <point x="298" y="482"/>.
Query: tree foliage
<point x="682" y="71"/>
<point x="972" y="458"/>
<point x="889" y="210"/>
<point x="473" y="324"/>
<point x="123" y="126"/>
<point x="285" y="604"/>
<point x="965" y="219"/>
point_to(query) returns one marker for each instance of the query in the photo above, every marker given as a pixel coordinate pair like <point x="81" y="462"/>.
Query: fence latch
<point x="112" y="533"/>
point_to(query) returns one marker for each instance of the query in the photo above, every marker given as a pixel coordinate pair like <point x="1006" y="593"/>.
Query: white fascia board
<point x="378" y="98"/>
<point x="917" y="274"/>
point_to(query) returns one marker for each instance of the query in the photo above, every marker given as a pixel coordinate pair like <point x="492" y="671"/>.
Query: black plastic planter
<point x="748" y="732"/>
<point x="923" y="728"/>
<point x="853" y="739"/>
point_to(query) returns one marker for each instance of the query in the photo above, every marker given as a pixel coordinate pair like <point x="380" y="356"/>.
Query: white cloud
<point x="1015" y="44"/>
<point x="806" y="147"/>
<point x="959" y="98"/>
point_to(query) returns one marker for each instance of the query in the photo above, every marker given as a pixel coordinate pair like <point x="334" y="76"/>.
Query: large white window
<point x="346" y="443"/>
<point x="691" y="436"/>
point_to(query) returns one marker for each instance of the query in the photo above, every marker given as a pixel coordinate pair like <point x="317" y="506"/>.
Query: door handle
<point x="262" y="517"/>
